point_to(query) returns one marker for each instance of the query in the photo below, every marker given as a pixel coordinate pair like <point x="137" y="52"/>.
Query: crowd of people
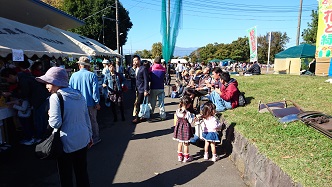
<point x="204" y="90"/>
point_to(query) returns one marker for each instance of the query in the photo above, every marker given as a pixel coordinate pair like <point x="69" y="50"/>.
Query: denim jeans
<point x="160" y="93"/>
<point x="221" y="105"/>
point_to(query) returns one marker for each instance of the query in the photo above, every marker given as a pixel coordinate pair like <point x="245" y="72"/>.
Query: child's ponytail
<point x="184" y="101"/>
<point x="207" y="110"/>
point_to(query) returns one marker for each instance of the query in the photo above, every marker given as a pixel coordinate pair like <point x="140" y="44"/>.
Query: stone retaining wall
<point x="257" y="170"/>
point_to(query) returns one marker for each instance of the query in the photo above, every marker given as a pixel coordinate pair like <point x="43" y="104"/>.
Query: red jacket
<point x="230" y="92"/>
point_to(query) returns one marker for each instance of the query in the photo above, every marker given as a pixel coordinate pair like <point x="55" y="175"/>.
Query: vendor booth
<point x="289" y="61"/>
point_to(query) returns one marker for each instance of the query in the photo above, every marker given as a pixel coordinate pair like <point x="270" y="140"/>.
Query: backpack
<point x="242" y="99"/>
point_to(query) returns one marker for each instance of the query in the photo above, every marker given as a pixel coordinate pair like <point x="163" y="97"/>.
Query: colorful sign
<point x="253" y="44"/>
<point x="324" y="32"/>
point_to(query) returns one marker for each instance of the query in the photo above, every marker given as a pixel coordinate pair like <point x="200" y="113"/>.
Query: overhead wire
<point x="220" y="13"/>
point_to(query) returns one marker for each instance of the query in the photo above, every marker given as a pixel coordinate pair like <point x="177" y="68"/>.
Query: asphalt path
<point x="128" y="155"/>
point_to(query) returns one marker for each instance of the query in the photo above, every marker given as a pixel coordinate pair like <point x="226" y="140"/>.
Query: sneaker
<point x="206" y="156"/>
<point x="215" y="158"/>
<point x="187" y="159"/>
<point x="136" y="120"/>
<point x="180" y="158"/>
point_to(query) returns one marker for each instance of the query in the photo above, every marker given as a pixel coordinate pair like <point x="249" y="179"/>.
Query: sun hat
<point x="105" y="61"/>
<point x="84" y="60"/>
<point x="56" y="76"/>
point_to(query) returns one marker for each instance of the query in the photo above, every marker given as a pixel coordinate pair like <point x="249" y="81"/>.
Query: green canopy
<point x="300" y="51"/>
<point x="215" y="60"/>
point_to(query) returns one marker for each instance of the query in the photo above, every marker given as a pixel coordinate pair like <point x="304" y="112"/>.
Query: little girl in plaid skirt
<point x="183" y="131"/>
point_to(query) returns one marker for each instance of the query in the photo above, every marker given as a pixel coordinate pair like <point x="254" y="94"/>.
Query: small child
<point x="182" y="130"/>
<point x="210" y="126"/>
<point x="24" y="114"/>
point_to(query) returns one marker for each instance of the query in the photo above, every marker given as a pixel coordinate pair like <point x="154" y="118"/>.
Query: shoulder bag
<point x="145" y="109"/>
<point x="52" y="147"/>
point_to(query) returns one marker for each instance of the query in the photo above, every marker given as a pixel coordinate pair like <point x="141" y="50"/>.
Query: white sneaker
<point x="189" y="159"/>
<point x="206" y="156"/>
<point x="215" y="158"/>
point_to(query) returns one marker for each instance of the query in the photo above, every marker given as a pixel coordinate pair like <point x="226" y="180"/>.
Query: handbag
<point x="124" y="88"/>
<point x="145" y="109"/>
<point x="52" y="147"/>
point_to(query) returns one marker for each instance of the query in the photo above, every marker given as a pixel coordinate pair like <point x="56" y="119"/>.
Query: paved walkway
<point x="129" y="155"/>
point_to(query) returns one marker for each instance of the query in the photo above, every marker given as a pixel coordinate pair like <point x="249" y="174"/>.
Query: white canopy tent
<point x="34" y="41"/>
<point x="181" y="60"/>
<point x="89" y="46"/>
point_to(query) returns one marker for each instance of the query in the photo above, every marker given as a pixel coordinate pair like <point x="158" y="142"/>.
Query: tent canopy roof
<point x="34" y="41"/>
<point x="38" y="14"/>
<point x="88" y="45"/>
<point x="300" y="51"/>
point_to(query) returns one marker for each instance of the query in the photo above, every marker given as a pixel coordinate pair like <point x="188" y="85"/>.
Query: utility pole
<point x="268" y="54"/>
<point x="299" y="24"/>
<point x="117" y="27"/>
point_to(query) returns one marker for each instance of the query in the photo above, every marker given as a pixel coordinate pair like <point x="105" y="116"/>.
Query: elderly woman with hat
<point x="76" y="133"/>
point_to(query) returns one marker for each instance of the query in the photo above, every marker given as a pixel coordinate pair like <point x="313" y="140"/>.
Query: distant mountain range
<point x="183" y="51"/>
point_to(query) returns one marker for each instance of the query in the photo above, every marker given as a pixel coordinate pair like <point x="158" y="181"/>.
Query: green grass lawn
<point x="301" y="151"/>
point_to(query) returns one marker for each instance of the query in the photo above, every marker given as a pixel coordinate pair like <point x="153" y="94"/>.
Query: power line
<point x="196" y="8"/>
<point x="99" y="12"/>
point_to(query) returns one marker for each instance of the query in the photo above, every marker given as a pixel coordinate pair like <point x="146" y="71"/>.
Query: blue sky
<point x="210" y="21"/>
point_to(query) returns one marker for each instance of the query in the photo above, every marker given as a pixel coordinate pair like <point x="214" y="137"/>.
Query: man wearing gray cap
<point x="87" y="82"/>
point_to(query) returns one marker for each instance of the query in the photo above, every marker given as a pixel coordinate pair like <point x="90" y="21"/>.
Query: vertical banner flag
<point x="253" y="44"/>
<point x="324" y="32"/>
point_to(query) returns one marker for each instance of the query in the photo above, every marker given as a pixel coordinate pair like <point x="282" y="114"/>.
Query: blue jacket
<point x="87" y="83"/>
<point x="110" y="82"/>
<point x="142" y="79"/>
<point x="76" y="126"/>
<point x="157" y="74"/>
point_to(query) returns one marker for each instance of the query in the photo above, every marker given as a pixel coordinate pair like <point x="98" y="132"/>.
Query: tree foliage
<point x="92" y="11"/>
<point x="309" y="34"/>
<point x="54" y="3"/>
<point x="278" y="44"/>
<point x="156" y="49"/>
<point x="144" y="53"/>
<point x="238" y="50"/>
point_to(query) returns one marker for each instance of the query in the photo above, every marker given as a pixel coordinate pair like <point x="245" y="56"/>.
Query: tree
<point x="309" y="34"/>
<point x="156" y="49"/>
<point x="144" y="54"/>
<point x="277" y="44"/>
<point x="240" y="49"/>
<point x="54" y="3"/>
<point x="92" y="11"/>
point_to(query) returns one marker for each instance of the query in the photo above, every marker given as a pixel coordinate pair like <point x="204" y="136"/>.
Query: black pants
<point x="140" y="98"/>
<point x="76" y="161"/>
<point x="132" y="83"/>
<point x="113" y="106"/>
